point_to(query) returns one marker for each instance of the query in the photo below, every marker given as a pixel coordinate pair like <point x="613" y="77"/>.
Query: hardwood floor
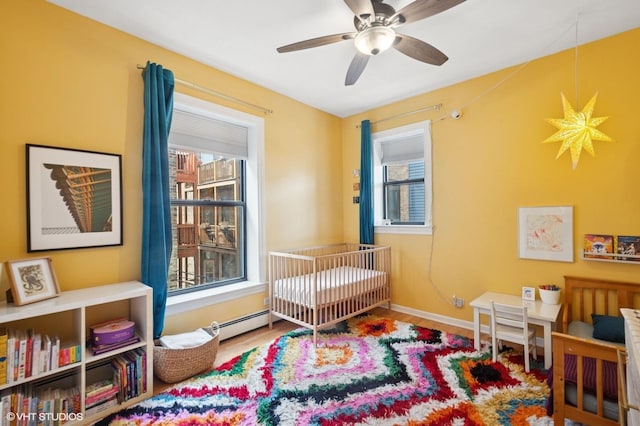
<point x="237" y="345"/>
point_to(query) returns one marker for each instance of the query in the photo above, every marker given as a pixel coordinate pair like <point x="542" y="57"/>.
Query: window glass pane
<point x="218" y="226"/>
<point x="404" y="192"/>
<point x="405" y="202"/>
<point x="208" y="237"/>
<point x="404" y="171"/>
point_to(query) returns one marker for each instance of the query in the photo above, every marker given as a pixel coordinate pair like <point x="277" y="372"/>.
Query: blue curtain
<point x="366" y="184"/>
<point x="156" y="208"/>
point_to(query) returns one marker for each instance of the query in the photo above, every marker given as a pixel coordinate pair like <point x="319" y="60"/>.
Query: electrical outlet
<point x="458" y="302"/>
<point x="267" y="301"/>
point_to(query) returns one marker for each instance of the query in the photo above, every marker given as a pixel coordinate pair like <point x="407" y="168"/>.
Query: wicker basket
<point x="175" y="365"/>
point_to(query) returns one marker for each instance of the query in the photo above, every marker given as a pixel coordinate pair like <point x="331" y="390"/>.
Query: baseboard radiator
<point x="243" y="324"/>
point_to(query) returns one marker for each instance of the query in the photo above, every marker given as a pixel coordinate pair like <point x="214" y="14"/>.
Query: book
<point x="28" y="368"/>
<point x="22" y="355"/>
<point x="101" y="397"/>
<point x="45" y="354"/>
<point x="4" y="336"/>
<point x="99" y="408"/>
<point x="598" y="246"/>
<point x="97" y="387"/>
<point x="11" y="341"/>
<point x="629" y="246"/>
<point x="143" y="362"/>
<point x="120" y="375"/>
<point x="100" y="349"/>
<point x="35" y="354"/>
<point x="55" y="350"/>
<point x="5" y="397"/>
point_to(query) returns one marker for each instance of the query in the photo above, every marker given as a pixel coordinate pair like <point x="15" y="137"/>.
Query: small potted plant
<point x="549" y="293"/>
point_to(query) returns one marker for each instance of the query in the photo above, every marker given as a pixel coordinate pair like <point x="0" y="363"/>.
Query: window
<point x="214" y="178"/>
<point x="208" y="210"/>
<point x="402" y="179"/>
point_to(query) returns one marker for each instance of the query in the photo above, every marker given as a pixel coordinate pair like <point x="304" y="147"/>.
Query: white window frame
<point x="255" y="219"/>
<point x="423" y="129"/>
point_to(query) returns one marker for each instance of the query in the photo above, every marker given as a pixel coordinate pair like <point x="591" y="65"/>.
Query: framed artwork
<point x="32" y="280"/>
<point x="74" y="198"/>
<point x="528" y="293"/>
<point x="546" y="233"/>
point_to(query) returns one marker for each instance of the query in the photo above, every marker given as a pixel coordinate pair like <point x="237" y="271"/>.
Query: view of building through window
<point x="404" y="192"/>
<point x="208" y="210"/>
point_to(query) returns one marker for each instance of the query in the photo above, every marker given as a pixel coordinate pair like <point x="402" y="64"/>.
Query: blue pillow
<point x="607" y="327"/>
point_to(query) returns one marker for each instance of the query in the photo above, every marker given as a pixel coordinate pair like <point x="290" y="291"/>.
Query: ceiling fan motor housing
<point x="382" y="12"/>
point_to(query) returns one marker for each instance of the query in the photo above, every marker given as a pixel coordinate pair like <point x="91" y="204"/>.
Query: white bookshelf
<point x="70" y="315"/>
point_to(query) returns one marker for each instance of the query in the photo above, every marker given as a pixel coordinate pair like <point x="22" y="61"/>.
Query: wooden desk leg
<point x="548" y="353"/>
<point x="476" y="328"/>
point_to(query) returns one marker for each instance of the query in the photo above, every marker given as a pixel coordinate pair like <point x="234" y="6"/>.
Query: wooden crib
<point x="317" y="287"/>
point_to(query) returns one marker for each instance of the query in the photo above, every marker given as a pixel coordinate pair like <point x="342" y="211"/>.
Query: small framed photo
<point x="529" y="293"/>
<point x="32" y="280"/>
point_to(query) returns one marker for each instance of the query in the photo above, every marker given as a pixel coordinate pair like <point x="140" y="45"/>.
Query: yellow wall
<point x="492" y="161"/>
<point x="68" y="81"/>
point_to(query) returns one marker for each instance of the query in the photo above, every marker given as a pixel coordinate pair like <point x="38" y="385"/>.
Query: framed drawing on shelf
<point x="74" y="198"/>
<point x="32" y="280"/>
<point x="546" y="233"/>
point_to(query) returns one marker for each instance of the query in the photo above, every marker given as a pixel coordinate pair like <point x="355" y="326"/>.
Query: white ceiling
<point x="240" y="37"/>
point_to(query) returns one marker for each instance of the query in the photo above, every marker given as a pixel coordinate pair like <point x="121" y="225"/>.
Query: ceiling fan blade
<point x="360" y="7"/>
<point x="418" y="49"/>
<point x="316" y="42"/>
<point x="421" y="9"/>
<point x="355" y="69"/>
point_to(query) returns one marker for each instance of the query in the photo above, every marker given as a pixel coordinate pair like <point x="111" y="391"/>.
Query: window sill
<point x="181" y="303"/>
<point x="403" y="229"/>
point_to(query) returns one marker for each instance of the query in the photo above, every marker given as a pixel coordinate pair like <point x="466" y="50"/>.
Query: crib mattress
<point x="333" y="285"/>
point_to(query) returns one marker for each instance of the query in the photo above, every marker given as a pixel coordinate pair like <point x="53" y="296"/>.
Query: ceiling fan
<point x="375" y="24"/>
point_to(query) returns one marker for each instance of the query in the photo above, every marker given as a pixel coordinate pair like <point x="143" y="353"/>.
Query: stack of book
<point x="25" y="354"/>
<point x="110" y="335"/>
<point x="100" y="395"/>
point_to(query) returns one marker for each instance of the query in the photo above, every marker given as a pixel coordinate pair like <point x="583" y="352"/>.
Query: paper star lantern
<point x="577" y="130"/>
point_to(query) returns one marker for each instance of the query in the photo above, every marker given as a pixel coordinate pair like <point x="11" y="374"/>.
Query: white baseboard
<point x="467" y="325"/>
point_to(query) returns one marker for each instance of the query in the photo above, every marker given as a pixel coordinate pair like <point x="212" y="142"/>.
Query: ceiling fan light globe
<point x="374" y="40"/>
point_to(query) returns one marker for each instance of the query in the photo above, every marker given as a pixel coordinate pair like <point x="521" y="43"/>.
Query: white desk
<point x="539" y="313"/>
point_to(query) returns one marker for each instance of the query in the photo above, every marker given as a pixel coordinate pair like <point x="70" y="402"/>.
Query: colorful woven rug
<point x="365" y="371"/>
